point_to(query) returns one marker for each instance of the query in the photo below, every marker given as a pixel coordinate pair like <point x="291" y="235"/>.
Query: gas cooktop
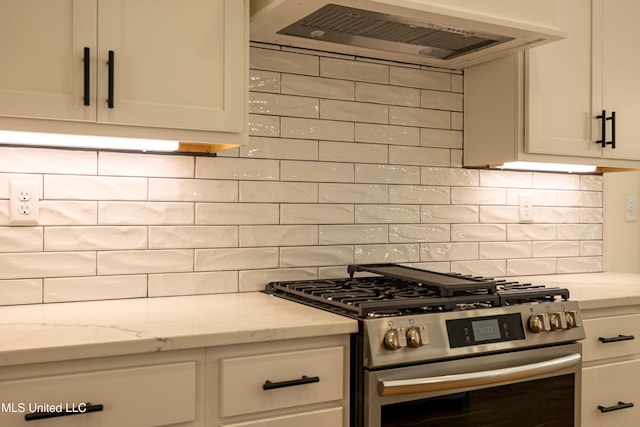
<point x="395" y="290"/>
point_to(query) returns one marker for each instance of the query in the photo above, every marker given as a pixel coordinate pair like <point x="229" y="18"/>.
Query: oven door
<point x="539" y="387"/>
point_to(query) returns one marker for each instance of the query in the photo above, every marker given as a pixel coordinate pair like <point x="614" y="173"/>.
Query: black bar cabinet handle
<point x="87" y="408"/>
<point x="268" y="385"/>
<point x="87" y="76"/>
<point x="613" y="130"/>
<point x="603" y="132"/>
<point x="616" y="339"/>
<point x="620" y="405"/>
<point x="111" y="63"/>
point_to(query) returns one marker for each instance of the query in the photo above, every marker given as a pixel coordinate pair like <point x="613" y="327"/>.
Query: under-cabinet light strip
<point x="549" y="167"/>
<point x="86" y="141"/>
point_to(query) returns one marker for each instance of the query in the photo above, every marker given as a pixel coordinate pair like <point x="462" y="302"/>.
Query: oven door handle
<point x="474" y="379"/>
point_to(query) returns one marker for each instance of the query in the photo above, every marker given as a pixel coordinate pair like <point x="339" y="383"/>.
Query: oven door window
<point x="546" y="402"/>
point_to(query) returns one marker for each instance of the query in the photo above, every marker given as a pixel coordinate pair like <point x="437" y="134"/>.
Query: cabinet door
<point x="620" y="68"/>
<point x="611" y="386"/>
<point x="559" y="88"/>
<point x="178" y="63"/>
<point x="42" y="49"/>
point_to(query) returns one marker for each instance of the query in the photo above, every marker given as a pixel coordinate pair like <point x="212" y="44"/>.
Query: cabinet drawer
<point x="617" y="329"/>
<point x="327" y="417"/>
<point x="158" y="395"/>
<point x="243" y="379"/>
<point x="608" y="386"/>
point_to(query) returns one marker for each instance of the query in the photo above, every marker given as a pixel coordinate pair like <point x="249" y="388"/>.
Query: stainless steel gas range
<point x="452" y="350"/>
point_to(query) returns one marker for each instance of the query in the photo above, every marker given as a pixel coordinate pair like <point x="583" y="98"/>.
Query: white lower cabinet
<point x="283" y="384"/>
<point x="163" y="389"/>
<point x="611" y="369"/>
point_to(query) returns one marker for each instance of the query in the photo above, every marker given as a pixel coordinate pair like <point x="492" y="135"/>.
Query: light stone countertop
<point x="77" y="330"/>
<point x="593" y="290"/>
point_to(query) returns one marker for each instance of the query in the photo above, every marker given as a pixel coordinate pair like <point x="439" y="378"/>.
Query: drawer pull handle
<point x="82" y="408"/>
<point x="620" y="405"/>
<point x="268" y="385"/>
<point x="616" y="339"/>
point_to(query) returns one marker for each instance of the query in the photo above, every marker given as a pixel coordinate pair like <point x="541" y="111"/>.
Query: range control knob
<point x="571" y="318"/>
<point x="539" y="323"/>
<point x="394" y="339"/>
<point x="414" y="338"/>
<point x="558" y="321"/>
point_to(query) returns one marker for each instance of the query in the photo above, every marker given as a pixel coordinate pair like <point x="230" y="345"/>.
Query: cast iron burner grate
<point x="400" y="290"/>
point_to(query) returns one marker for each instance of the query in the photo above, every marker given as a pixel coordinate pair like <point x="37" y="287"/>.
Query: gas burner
<point x="384" y="313"/>
<point x="399" y="290"/>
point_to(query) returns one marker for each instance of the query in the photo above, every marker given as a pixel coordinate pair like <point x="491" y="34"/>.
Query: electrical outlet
<point x="630" y="208"/>
<point x="24" y="202"/>
<point x="526" y="207"/>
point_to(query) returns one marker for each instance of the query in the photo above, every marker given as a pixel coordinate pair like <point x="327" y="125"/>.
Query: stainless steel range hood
<point x="449" y="34"/>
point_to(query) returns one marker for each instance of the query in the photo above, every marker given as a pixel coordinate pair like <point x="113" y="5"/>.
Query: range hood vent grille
<point x="373" y="30"/>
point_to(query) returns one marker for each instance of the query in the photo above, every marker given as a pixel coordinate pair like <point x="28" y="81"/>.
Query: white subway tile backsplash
<point x="349" y="160"/>
<point x="316" y="171"/>
<point x="255" y="280"/>
<point x="380" y="214"/>
<point x="141" y="213"/>
<point x="235" y="259"/>
<point x="419" y="156"/>
<point x="280" y="148"/>
<point x="420" y="78"/>
<point x="21" y="239"/>
<point x="419" y="194"/>
<point x="185" y="237"/>
<point x="264" y="81"/>
<point x="262" y="125"/>
<point x="237" y="168"/>
<point x="74" y="187"/>
<point x="401" y="233"/>
<point x="332" y="151"/>
<point x="128" y="164"/>
<point x="192" y="190"/>
<point x="94" y="238"/>
<point x="408" y="116"/>
<point x="448" y="251"/>
<point x="68" y="213"/>
<point x="316" y="214"/>
<point x="171" y="284"/>
<point x="289" y="62"/>
<point x="283" y="105"/>
<point x="147" y="261"/>
<point x="279" y="192"/>
<point x="94" y="288"/>
<point x="354" y="70"/>
<point x="371" y="254"/>
<point x="353" y="193"/>
<point x="333" y="130"/>
<point x="385" y="94"/>
<point x="236" y="213"/>
<point x="440" y="138"/>
<point x="278" y="235"/>
<point x="387" y="134"/>
<point x="47" y="264"/>
<point x="383" y="174"/>
<point x="313" y="256"/>
<point x="353" y="234"/>
<point x="40" y="160"/>
<point x="318" y="87"/>
<point x="353" y="111"/>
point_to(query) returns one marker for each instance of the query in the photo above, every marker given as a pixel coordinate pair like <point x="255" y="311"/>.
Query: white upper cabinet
<point x="546" y="106"/>
<point x="178" y="68"/>
<point x="42" y="45"/>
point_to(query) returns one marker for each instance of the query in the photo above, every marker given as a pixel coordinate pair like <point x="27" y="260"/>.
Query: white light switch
<point x="630" y="208"/>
